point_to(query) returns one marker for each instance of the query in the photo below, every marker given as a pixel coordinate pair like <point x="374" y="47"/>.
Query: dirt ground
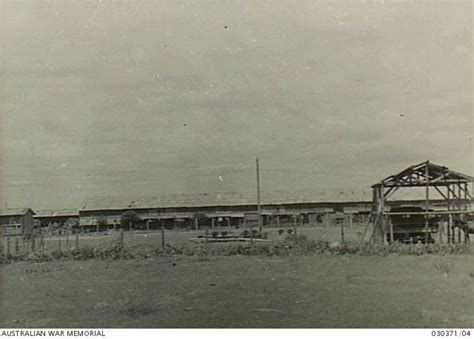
<point x="241" y="291"/>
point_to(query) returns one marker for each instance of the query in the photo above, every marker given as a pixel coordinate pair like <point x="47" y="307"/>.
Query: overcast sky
<point x="154" y="97"/>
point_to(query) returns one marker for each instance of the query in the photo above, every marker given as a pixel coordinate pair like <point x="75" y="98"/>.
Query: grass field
<point x="241" y="291"/>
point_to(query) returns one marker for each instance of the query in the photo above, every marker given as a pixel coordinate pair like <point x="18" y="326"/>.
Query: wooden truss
<point x="452" y="187"/>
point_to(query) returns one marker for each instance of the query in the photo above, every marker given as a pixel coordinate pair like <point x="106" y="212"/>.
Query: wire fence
<point x="47" y="242"/>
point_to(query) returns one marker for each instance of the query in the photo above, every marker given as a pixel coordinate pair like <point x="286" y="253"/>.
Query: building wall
<point x="60" y="220"/>
<point x="7" y="227"/>
<point x="218" y="215"/>
<point x="24" y="222"/>
<point x="28" y="222"/>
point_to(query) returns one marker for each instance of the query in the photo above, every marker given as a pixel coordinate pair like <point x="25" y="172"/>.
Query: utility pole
<point x="427" y="200"/>
<point x="259" y="207"/>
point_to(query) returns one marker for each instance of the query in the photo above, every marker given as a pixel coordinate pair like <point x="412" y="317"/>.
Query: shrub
<point x="281" y="231"/>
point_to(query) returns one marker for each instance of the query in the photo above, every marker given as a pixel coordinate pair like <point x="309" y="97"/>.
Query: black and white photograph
<point x="236" y="164"/>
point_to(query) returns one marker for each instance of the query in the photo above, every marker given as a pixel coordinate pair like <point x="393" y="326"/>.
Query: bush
<point x="281" y="231"/>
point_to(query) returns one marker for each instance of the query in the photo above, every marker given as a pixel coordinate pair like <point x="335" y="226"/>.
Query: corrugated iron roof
<point x="57" y="213"/>
<point x="225" y="199"/>
<point x="241" y="199"/>
<point x="10" y="212"/>
<point x="357" y="209"/>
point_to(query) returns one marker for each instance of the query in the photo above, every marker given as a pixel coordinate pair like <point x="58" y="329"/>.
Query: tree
<point x="130" y="218"/>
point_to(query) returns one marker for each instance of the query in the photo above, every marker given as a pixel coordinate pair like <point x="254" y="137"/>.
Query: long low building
<point x="225" y="209"/>
<point x="56" y="216"/>
<point x="212" y="209"/>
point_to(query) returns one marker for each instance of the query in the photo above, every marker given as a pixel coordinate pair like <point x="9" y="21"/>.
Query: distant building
<point x="217" y="209"/>
<point x="16" y="221"/>
<point x="56" y="216"/>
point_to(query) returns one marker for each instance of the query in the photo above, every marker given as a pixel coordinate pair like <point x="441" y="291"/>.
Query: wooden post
<point x="163" y="242"/>
<point x="391" y="231"/>
<point x="17" y="246"/>
<point x="42" y="242"/>
<point x="342" y="232"/>
<point x="121" y="239"/>
<point x="148" y="225"/>
<point x="212" y="223"/>
<point x="450" y="228"/>
<point x="8" y="244"/>
<point x="383" y="231"/>
<point x="278" y="221"/>
<point x="251" y="232"/>
<point x="459" y="231"/>
<point x="206" y="232"/>
<point x="196" y="223"/>
<point x="449" y="223"/>
<point x="465" y="209"/>
<point x="97" y="228"/>
<point x="350" y="220"/>
<point x="67" y="239"/>
<point x="59" y="241"/>
<point x="295" y="229"/>
<point x="33" y="245"/>
<point x="77" y="239"/>
<point x="440" y="231"/>
<point x="461" y="217"/>
<point x="427" y="193"/>
<point x="259" y="206"/>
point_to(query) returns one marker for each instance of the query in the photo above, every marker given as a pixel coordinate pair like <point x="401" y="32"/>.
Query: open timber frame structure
<point x="453" y="187"/>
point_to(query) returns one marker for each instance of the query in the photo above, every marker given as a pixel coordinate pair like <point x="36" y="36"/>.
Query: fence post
<point x="59" y="241"/>
<point x="42" y="242"/>
<point x="162" y="234"/>
<point x="77" y="238"/>
<point x="121" y="239"/>
<point x="67" y="239"/>
<point x="251" y="233"/>
<point x="17" y="246"/>
<point x="295" y="229"/>
<point x="342" y="232"/>
<point x="33" y="244"/>
<point x="8" y="244"/>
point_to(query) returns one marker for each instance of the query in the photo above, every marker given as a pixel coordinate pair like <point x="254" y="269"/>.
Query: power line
<point x="305" y="173"/>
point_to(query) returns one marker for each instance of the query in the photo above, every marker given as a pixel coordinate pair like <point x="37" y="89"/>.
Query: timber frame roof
<point x="414" y="176"/>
